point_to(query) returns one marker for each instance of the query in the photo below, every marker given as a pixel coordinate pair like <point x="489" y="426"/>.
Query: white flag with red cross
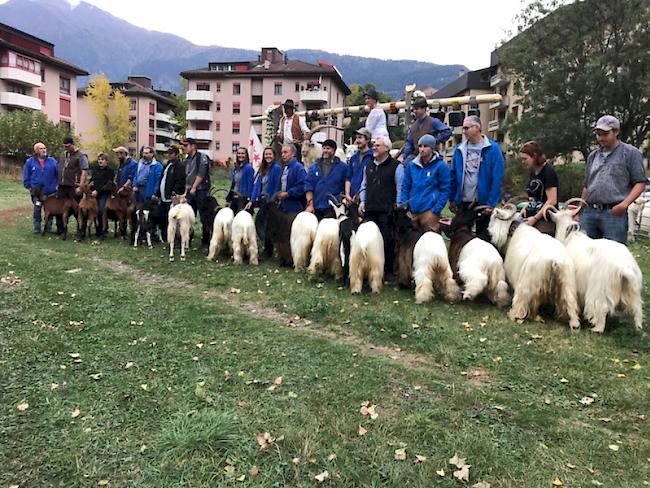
<point x="255" y="149"/>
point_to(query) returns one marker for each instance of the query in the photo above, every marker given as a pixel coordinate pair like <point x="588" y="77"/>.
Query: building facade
<point x="223" y="97"/>
<point x="33" y="78"/>
<point x="151" y="111"/>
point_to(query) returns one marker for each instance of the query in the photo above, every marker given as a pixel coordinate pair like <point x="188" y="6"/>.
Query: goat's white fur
<point x="431" y="269"/>
<point x="608" y="278"/>
<point x="480" y="267"/>
<point x="181" y="218"/>
<point x="366" y="258"/>
<point x="635" y="217"/>
<point x="303" y="233"/>
<point x="538" y="268"/>
<point x="244" y="238"/>
<point x="221" y="232"/>
<point x="325" y="250"/>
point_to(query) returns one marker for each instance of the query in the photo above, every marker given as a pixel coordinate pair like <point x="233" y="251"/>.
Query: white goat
<point x="181" y="219"/>
<point x="303" y="233"/>
<point x="431" y="268"/>
<point x="608" y="278"/>
<point x="634" y="216"/>
<point x="244" y="238"/>
<point x="366" y="258"/>
<point x="537" y="266"/>
<point x="480" y="267"/>
<point x="221" y="232"/>
<point x="325" y="251"/>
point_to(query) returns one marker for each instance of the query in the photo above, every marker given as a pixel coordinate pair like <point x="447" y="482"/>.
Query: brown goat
<point x="406" y="236"/>
<point x="119" y="208"/>
<point x="58" y="207"/>
<point x="87" y="212"/>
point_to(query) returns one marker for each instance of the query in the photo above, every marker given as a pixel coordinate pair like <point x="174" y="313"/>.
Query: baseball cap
<point x="607" y="123"/>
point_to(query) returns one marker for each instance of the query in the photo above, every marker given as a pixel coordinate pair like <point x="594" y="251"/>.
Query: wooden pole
<point x="358" y="109"/>
<point x="409" y="89"/>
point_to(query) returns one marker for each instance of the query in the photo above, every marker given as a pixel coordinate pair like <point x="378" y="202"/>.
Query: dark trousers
<point x="482" y="222"/>
<point x="324" y="213"/>
<point x="385" y="224"/>
<point x="260" y="227"/>
<point x="66" y="192"/>
<point x="101" y="203"/>
<point x="164" y="215"/>
<point x="196" y="203"/>
<point x="139" y="195"/>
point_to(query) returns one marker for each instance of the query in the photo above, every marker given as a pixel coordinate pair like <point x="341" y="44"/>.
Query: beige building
<point x="33" y="78"/>
<point x="151" y="111"/>
<point x="224" y="95"/>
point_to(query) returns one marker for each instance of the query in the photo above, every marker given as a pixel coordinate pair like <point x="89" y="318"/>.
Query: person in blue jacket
<point x="147" y="176"/>
<point x="266" y="184"/>
<point x="292" y="181"/>
<point x="325" y="179"/>
<point x="476" y="173"/>
<point x="126" y="168"/>
<point x="358" y="163"/>
<point x="424" y="124"/>
<point x="40" y="172"/>
<point x="243" y="174"/>
<point x="425" y="185"/>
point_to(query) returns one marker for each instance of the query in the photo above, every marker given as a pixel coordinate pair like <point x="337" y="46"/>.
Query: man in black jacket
<point x="171" y="182"/>
<point x="101" y="179"/>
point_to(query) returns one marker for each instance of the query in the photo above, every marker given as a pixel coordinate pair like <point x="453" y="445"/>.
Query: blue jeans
<point x="139" y="195"/>
<point x="36" y="216"/>
<point x="599" y="224"/>
<point x="101" y="203"/>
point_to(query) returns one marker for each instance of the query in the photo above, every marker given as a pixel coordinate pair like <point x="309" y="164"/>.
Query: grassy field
<point x="120" y="369"/>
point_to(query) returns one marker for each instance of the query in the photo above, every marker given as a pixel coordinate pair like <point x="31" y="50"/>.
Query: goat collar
<point x="513" y="227"/>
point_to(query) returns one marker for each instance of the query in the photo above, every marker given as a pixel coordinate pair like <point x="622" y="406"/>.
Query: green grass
<point x="176" y="379"/>
<point x="12" y="194"/>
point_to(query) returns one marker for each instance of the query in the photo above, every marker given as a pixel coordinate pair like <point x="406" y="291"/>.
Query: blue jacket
<point x="126" y="171"/>
<point x="153" y="179"/>
<point x="322" y="187"/>
<point x="357" y="169"/>
<point x="245" y="187"/>
<point x="438" y="129"/>
<point x="427" y="187"/>
<point x="295" y="186"/>
<point x="46" y="178"/>
<point x="490" y="173"/>
<point x="272" y="183"/>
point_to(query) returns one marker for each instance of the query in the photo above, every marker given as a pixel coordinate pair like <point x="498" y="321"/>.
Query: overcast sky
<point x="450" y="32"/>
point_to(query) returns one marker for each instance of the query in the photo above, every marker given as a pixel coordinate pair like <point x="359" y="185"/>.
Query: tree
<point x="181" y="107"/>
<point x="111" y="109"/>
<point x="356" y="98"/>
<point x="21" y="129"/>
<point x="577" y="62"/>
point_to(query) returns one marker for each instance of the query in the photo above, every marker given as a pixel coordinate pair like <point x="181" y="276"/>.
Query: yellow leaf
<point x="144" y="386"/>
<point x="278" y="381"/>
<point x="296" y="460"/>
<point x="482" y="484"/>
<point x="54" y="386"/>
<point x="419" y="459"/>
<point x="557" y="482"/>
<point x="292" y="394"/>
<point x="240" y="477"/>
<point x="462" y="474"/>
<point x="102" y="482"/>
<point x="254" y="471"/>
<point x="440" y="472"/>
<point x="23" y="406"/>
<point x="331" y="457"/>
<point x="322" y="477"/>
<point x="614" y="447"/>
<point x="362" y="431"/>
<point x="571" y="466"/>
<point x="457" y="461"/>
<point x="400" y="454"/>
<point x="75" y="413"/>
<point x="636" y="366"/>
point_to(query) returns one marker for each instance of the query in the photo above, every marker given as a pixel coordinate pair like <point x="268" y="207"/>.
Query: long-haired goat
<point x="366" y="258"/>
<point x="182" y="219"/>
<point x="303" y="233"/>
<point x="475" y="263"/>
<point x="431" y="269"/>
<point x="608" y="278"/>
<point x="244" y="237"/>
<point x="221" y="232"/>
<point x="325" y="250"/>
<point x="406" y="236"/>
<point x="537" y="266"/>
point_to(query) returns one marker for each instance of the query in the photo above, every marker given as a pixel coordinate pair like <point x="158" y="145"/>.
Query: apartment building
<point x="225" y="94"/>
<point x="33" y="78"/>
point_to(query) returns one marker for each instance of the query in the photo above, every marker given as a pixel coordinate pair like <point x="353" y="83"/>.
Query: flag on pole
<point x="255" y="149"/>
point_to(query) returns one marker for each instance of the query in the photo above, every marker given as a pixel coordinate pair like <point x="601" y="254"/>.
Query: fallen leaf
<point x="128" y="365"/>
<point x="614" y="447"/>
<point x="482" y="339"/>
<point x="596" y="483"/>
<point x="571" y="466"/>
<point x="296" y="460"/>
<point x="96" y="376"/>
<point x="400" y="454"/>
<point x="456" y="461"/>
<point x="143" y="448"/>
<point x="419" y="459"/>
<point x="322" y="477"/>
<point x="144" y="386"/>
<point x="331" y="457"/>
<point x="557" y="482"/>
<point x="74" y="270"/>
<point x="292" y="394"/>
<point x="605" y="419"/>
<point x="102" y="482"/>
<point x="563" y="380"/>
<point x="362" y="431"/>
<point x="254" y="471"/>
<point x="230" y="470"/>
<point x="23" y="406"/>
<point x="586" y="400"/>
<point x="482" y="484"/>
<point x="54" y="386"/>
<point x="440" y="472"/>
<point x="636" y="366"/>
<point x="463" y="473"/>
<point x="265" y="441"/>
<point x="235" y="290"/>
<point x="241" y="477"/>
<point x="75" y="413"/>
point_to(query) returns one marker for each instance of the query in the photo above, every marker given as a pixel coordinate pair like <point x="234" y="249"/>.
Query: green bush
<point x="570" y="178"/>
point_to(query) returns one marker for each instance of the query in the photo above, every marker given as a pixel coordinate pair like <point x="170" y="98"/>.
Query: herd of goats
<point x="572" y="272"/>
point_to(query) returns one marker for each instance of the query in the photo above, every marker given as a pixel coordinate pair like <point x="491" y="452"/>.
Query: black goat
<point x="147" y="214"/>
<point x="347" y="227"/>
<point x="406" y="236"/>
<point x="277" y="228"/>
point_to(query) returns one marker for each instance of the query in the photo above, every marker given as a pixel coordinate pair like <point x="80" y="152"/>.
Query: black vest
<point x="380" y="185"/>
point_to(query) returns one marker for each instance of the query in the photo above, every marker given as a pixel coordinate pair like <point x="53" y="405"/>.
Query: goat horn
<point x="507" y="212"/>
<point x="576" y="199"/>
<point x="516" y="199"/>
<point x="549" y="208"/>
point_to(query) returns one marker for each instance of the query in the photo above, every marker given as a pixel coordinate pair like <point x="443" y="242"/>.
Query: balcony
<point x="20" y="76"/>
<point x="500" y="79"/>
<point x="205" y="115"/>
<point x="18" y="100"/>
<point x="199" y="135"/>
<point x="503" y="103"/>
<point x="165" y="132"/>
<point x="495" y="125"/>
<point x="165" y="117"/>
<point x="314" y="95"/>
<point x="160" y="147"/>
<point x="199" y="96"/>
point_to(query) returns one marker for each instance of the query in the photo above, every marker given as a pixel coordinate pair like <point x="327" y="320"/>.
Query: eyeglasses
<point x="467" y="127"/>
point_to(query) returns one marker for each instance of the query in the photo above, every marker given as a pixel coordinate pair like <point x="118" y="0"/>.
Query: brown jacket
<point x="70" y="167"/>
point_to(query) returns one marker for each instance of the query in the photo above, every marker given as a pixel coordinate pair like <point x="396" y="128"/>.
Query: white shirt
<point x="287" y="139"/>
<point x="376" y="123"/>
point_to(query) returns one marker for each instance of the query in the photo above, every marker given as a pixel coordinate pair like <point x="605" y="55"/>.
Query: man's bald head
<point x="40" y="150"/>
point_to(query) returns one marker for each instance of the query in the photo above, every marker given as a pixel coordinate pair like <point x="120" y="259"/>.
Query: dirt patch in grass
<point x="9" y="213"/>
<point x="260" y="310"/>
<point x="478" y="376"/>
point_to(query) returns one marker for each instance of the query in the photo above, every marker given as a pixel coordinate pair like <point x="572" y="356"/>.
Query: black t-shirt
<point x="539" y="183"/>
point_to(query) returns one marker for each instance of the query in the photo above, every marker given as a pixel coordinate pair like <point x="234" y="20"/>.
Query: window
<point x="218" y="107"/>
<point x="152" y="108"/>
<point x="217" y="126"/>
<point x="256" y="99"/>
<point x="66" y="125"/>
<point x="42" y="75"/>
<point x="236" y="89"/>
<point x="64" y="107"/>
<point x="337" y="97"/>
<point x="4" y="59"/>
<point x="132" y="104"/>
<point x="203" y="86"/>
<point x="218" y="86"/>
<point x="132" y="136"/>
<point x="152" y="124"/>
<point x="277" y="89"/>
<point x="297" y="86"/>
<point x="41" y="97"/>
<point x="235" y="127"/>
<point x="235" y="108"/>
<point x="235" y="146"/>
<point x="202" y="125"/>
<point x="17" y="89"/>
<point x="152" y="140"/>
<point x="64" y="85"/>
<point x="217" y="145"/>
<point x="202" y="106"/>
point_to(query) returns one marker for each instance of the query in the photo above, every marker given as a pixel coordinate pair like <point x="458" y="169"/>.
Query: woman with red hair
<point x="542" y="183"/>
